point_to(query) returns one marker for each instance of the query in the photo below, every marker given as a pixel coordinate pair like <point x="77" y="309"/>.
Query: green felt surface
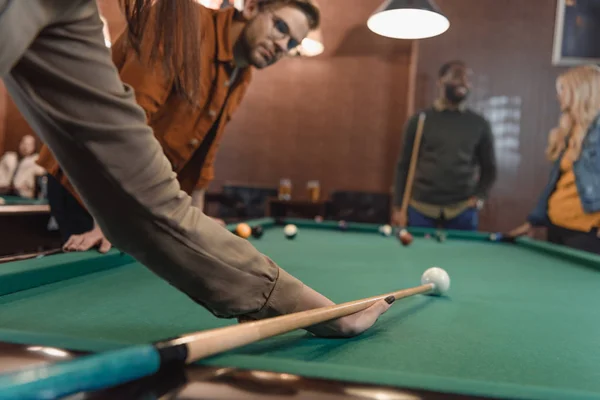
<point x="16" y="200"/>
<point x="518" y="322"/>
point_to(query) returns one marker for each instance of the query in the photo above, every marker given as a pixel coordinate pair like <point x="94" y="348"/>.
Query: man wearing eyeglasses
<point x="190" y="126"/>
<point x="455" y="162"/>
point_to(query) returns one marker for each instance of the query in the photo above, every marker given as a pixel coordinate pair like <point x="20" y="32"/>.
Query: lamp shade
<point x="408" y="19"/>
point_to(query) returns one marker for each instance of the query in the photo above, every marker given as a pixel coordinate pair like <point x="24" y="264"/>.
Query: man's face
<point x="27" y="146"/>
<point x="272" y="34"/>
<point x="456" y="84"/>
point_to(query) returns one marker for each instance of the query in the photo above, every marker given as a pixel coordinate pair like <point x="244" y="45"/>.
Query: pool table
<point x="521" y="320"/>
<point x="24" y="226"/>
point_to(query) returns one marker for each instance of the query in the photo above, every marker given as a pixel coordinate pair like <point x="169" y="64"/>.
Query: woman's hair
<point x="170" y="30"/>
<point x="580" y="89"/>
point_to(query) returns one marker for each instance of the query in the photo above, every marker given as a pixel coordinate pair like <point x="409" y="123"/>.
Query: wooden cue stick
<point x="204" y="344"/>
<point x="120" y="366"/>
<point x="413" y="164"/>
<point x="28" y="256"/>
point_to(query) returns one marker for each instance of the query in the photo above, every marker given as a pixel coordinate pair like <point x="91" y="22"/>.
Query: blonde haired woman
<point x="569" y="206"/>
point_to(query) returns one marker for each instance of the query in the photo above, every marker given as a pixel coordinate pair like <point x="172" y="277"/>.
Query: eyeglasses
<point x="281" y="30"/>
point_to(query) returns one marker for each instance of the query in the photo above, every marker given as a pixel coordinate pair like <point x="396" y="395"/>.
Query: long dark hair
<point x="167" y="31"/>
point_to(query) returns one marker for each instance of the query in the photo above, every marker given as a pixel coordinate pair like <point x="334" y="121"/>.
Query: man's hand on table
<point x="345" y="327"/>
<point x="88" y="240"/>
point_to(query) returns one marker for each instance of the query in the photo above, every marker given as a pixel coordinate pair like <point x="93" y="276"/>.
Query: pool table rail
<point x="28" y="274"/>
<point x="215" y="382"/>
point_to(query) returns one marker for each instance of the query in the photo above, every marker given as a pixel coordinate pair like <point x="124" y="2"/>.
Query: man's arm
<point x="486" y="155"/>
<point x="69" y="91"/>
<point x="403" y="163"/>
<point x="98" y="133"/>
<point x="198" y="198"/>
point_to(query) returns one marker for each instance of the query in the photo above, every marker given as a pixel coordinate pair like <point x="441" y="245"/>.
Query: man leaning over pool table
<point x="190" y="124"/>
<point x="57" y="69"/>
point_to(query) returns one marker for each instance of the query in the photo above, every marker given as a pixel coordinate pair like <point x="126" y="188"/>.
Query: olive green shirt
<point x="456" y="161"/>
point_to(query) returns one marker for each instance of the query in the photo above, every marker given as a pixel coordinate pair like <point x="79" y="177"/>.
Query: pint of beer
<point x="314" y="191"/>
<point x="285" y="189"/>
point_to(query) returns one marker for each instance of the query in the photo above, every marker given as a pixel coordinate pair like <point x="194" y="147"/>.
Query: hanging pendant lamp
<point x="408" y="19"/>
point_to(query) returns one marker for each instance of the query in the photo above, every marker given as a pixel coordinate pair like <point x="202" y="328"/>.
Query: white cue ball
<point x="2" y="201"/>
<point x="386" y="230"/>
<point x="439" y="278"/>
<point x="290" y="231"/>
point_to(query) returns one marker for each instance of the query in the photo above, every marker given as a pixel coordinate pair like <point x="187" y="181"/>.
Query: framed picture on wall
<point x="576" y="33"/>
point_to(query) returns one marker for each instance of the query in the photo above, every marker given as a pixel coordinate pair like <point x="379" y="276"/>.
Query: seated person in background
<point x="456" y="144"/>
<point x="569" y="205"/>
<point x="18" y="171"/>
<point x="189" y="123"/>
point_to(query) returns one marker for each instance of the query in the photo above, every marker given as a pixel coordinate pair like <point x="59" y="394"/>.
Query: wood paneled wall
<point x="3" y="100"/>
<point x="12" y="124"/>
<point x="508" y="44"/>
<point x="338" y="117"/>
<point x="113" y="15"/>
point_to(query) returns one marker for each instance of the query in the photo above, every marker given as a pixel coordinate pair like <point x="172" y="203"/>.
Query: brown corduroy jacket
<point x="180" y="127"/>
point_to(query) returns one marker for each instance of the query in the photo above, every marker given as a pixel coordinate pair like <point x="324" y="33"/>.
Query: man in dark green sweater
<point x="456" y="164"/>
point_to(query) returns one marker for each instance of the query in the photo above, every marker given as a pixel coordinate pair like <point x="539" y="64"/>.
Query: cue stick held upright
<point x="413" y="164"/>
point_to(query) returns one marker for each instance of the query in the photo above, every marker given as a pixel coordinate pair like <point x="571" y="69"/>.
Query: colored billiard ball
<point x="2" y="201"/>
<point x="243" y="230"/>
<point x="405" y="237"/>
<point x="385" y="230"/>
<point x="257" y="232"/>
<point x="318" y="219"/>
<point x="342" y="225"/>
<point x="290" y="231"/>
<point x="427" y="236"/>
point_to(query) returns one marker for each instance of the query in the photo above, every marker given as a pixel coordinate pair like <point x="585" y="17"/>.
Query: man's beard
<point x="453" y="94"/>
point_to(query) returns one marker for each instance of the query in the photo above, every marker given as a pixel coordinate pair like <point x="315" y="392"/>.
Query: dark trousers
<point x="586" y="241"/>
<point x="71" y="217"/>
<point x="468" y="220"/>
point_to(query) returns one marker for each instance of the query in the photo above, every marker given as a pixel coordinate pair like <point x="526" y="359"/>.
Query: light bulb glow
<point x="408" y="23"/>
<point x="311" y="47"/>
